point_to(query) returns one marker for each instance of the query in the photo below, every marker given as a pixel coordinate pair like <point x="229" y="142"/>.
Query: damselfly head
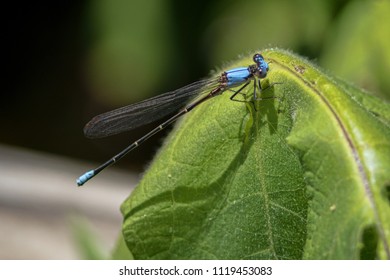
<point x="262" y="65"/>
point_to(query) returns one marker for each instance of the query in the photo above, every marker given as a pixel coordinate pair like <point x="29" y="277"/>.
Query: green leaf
<point x="301" y="176"/>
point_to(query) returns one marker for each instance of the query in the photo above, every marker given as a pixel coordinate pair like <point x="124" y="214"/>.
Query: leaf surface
<point x="303" y="175"/>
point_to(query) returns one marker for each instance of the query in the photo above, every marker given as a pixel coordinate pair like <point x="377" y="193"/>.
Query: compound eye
<point x="257" y="58"/>
<point x="262" y="74"/>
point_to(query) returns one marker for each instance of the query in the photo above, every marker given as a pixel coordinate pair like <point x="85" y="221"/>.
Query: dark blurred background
<point x="67" y="61"/>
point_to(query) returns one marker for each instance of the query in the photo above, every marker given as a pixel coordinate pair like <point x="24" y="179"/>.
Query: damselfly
<point x="147" y="111"/>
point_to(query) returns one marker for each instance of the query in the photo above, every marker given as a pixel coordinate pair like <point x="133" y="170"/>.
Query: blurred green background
<point x="67" y="61"/>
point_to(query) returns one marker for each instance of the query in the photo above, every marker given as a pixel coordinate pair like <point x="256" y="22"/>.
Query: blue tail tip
<point x="85" y="177"/>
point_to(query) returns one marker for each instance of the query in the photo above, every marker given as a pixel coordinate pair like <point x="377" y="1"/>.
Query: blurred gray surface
<point x="39" y="198"/>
